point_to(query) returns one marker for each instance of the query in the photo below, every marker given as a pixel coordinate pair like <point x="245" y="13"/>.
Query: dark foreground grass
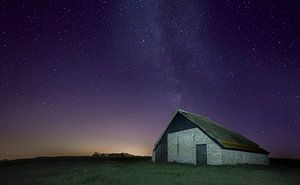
<point x="144" y="173"/>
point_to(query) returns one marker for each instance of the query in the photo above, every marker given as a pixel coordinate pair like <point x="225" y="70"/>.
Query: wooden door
<point x="201" y="154"/>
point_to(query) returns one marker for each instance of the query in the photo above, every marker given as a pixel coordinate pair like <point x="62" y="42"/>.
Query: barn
<point x="194" y="139"/>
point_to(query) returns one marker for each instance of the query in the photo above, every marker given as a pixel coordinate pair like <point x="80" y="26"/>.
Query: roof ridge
<point x="207" y="118"/>
<point x="213" y="122"/>
<point x="198" y="115"/>
<point x="180" y="110"/>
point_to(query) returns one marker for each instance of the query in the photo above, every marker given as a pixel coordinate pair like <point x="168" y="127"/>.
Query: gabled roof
<point x="225" y="138"/>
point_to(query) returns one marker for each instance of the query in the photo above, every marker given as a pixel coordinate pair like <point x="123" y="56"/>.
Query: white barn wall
<point x="241" y="157"/>
<point x="187" y="140"/>
<point x="153" y="156"/>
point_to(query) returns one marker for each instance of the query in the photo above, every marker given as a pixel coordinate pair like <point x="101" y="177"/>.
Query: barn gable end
<point x="178" y="123"/>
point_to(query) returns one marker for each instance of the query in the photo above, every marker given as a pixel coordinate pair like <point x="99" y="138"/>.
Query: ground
<point x="76" y="172"/>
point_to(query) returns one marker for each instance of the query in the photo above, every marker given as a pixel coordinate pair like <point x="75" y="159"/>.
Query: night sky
<point x="78" y="77"/>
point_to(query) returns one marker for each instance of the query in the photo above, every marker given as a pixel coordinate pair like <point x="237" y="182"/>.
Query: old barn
<point x="194" y="139"/>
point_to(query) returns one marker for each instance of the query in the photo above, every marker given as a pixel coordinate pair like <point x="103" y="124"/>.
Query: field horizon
<point x="119" y="155"/>
<point x="89" y="170"/>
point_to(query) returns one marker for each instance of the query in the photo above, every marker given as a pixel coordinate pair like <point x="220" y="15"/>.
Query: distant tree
<point x="96" y="154"/>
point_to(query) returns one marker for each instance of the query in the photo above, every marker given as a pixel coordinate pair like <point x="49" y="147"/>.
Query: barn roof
<point x="223" y="137"/>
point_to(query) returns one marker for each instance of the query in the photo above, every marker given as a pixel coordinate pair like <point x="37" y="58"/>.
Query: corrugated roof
<point x="225" y="138"/>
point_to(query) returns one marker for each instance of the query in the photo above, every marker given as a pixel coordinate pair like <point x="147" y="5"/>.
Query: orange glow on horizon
<point x="88" y="151"/>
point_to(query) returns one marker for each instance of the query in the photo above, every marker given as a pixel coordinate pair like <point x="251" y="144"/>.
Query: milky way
<point x="84" y="76"/>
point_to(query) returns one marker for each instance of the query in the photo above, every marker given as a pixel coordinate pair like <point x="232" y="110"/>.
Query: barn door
<point x="201" y="154"/>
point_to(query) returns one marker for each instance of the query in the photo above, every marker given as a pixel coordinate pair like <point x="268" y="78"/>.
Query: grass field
<point x="76" y="172"/>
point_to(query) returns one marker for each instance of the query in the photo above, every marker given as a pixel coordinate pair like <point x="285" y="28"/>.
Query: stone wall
<point x="182" y="147"/>
<point x="240" y="157"/>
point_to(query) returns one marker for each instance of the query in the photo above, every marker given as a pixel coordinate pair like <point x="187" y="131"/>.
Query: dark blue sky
<point x="106" y="76"/>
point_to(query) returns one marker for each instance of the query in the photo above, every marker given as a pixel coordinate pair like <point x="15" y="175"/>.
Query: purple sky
<point x="107" y="76"/>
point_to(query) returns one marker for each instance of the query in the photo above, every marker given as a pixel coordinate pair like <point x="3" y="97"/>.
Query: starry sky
<point x="78" y="77"/>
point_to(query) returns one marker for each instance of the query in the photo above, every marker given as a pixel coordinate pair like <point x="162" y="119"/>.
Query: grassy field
<point x="74" y="172"/>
